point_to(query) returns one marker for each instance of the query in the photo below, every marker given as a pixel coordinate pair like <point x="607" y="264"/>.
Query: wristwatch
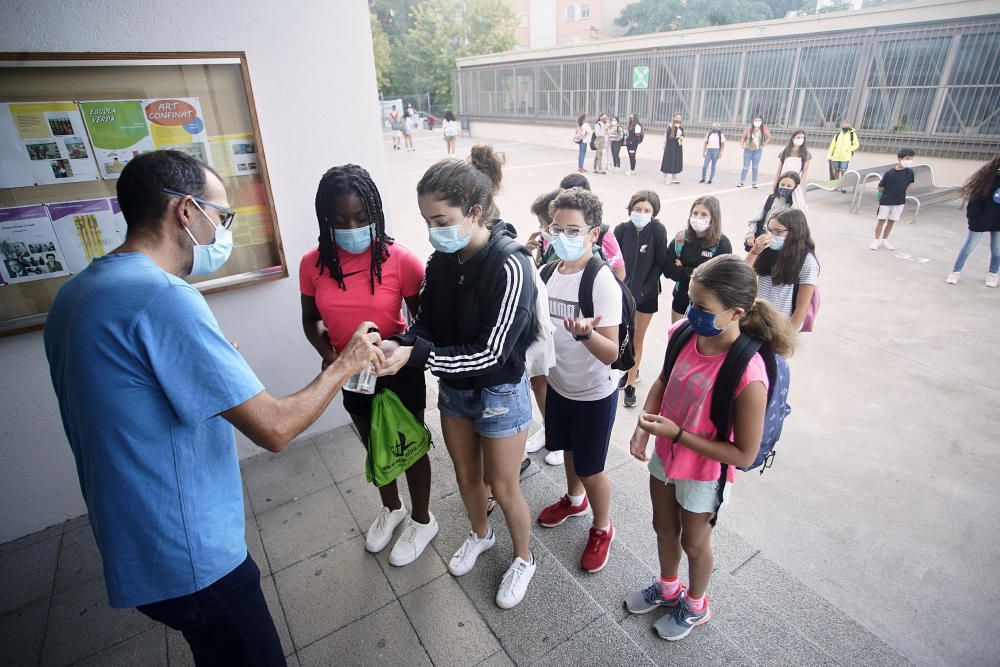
<point x="587" y="337"/>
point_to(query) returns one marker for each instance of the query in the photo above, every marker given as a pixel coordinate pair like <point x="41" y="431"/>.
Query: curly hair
<point x="980" y="183"/>
<point x="784" y="265"/>
<point x="540" y="206"/>
<point x="344" y="180"/>
<point x="581" y="200"/>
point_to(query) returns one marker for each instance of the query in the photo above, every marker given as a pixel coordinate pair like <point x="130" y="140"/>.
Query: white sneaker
<point x="412" y="541"/>
<point x="876" y="244"/>
<point x="536" y="441"/>
<point x="554" y="458"/>
<point x="953" y="277"/>
<point x="465" y="558"/>
<point x="515" y="582"/>
<point x="991" y="279"/>
<point x="385" y="523"/>
<point x="887" y="245"/>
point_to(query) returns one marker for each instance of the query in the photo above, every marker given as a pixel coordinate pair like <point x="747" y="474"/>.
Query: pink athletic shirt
<point x="687" y="401"/>
<point x="342" y="311"/>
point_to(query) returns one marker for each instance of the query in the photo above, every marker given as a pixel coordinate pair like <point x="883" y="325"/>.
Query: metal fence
<point x="935" y="87"/>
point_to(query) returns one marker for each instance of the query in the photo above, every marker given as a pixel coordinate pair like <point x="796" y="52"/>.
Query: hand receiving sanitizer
<point x="363" y="382"/>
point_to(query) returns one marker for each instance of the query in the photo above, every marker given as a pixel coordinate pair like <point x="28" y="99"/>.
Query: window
<point x="578" y="11"/>
<point x="584" y="10"/>
<point x="570" y="12"/>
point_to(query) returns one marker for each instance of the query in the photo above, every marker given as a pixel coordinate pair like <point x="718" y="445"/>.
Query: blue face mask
<point x="568" y="249"/>
<point x="777" y="243"/>
<point x="640" y="220"/>
<point x="354" y="241"/>
<point x="449" y="239"/>
<point x="703" y="323"/>
<point x="208" y="258"/>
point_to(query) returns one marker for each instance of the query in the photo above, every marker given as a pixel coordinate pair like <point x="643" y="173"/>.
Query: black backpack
<point x="626" y="330"/>
<point x="724" y="392"/>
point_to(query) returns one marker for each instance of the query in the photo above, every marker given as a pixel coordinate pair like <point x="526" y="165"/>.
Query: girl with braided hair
<point x="358" y="273"/>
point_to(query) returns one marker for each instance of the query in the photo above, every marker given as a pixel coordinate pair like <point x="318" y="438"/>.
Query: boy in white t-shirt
<point x="581" y="400"/>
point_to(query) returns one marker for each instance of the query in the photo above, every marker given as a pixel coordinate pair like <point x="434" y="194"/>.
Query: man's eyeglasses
<point x="568" y="232"/>
<point x="229" y="214"/>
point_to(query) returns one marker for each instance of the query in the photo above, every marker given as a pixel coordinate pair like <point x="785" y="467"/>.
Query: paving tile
<point x="26" y="573"/>
<point x="363" y="500"/>
<point x="330" y="590"/>
<point x="342" y="452"/>
<point x="148" y="648"/>
<point x="82" y="520"/>
<point x="81" y="623"/>
<point x="275" y="479"/>
<point x="33" y="538"/>
<point x="277" y="613"/>
<point x="384" y="637"/>
<point x="816" y="618"/>
<point x="498" y="659"/>
<point x="623" y="573"/>
<point x="765" y="636"/>
<point x="178" y="651"/>
<point x="603" y="638"/>
<point x="21" y="634"/>
<point x="305" y="526"/>
<point x="251" y="533"/>
<point x="450" y="629"/>
<point x="79" y="559"/>
<point x="428" y="567"/>
<point x="706" y="645"/>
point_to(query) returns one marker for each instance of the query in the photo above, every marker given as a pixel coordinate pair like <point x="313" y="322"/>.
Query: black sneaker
<point x="623" y="381"/>
<point x="630" y="396"/>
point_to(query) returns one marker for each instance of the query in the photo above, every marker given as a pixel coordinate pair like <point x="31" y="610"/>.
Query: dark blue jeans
<point x="227" y="623"/>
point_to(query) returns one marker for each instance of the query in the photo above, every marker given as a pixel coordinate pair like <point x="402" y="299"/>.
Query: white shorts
<point x="893" y="213"/>
<point x="397" y="134"/>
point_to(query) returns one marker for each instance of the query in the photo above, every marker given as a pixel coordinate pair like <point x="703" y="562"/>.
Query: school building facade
<point x="924" y="74"/>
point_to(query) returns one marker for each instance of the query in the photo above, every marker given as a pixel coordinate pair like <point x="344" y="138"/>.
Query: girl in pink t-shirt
<point x="356" y="274"/>
<point x="689" y="453"/>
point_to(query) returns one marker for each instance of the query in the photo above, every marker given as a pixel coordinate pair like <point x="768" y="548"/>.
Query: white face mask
<point x="700" y="225"/>
<point x="906" y="164"/>
<point x="757" y="123"/>
<point x="798" y="141"/>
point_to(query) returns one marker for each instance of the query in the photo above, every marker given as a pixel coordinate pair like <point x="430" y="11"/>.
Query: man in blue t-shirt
<point x="148" y="389"/>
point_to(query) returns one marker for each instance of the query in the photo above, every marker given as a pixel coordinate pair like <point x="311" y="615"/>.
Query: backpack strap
<point x="681" y="336"/>
<point x="586" y="295"/>
<point x="547" y="270"/>
<point x="679" y="243"/>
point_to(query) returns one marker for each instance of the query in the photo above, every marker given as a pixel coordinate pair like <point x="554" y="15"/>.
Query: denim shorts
<point x="500" y="411"/>
<point x="693" y="495"/>
<point x="837" y="164"/>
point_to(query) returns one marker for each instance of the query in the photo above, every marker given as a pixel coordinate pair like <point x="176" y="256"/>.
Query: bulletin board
<point x="69" y="123"/>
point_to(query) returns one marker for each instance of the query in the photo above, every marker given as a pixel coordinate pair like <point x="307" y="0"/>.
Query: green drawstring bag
<point x="397" y="439"/>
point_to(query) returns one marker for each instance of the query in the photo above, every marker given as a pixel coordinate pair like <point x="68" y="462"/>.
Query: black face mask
<point x="845" y="129"/>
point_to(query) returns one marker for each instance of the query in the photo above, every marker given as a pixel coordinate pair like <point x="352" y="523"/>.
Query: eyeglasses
<point x="229" y="214"/>
<point x="776" y="232"/>
<point x="568" y="232"/>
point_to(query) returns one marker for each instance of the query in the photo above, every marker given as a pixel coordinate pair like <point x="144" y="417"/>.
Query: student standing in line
<point x="686" y="463"/>
<point x="607" y="245"/>
<point x="409" y="123"/>
<point x="754" y="138"/>
<point x="982" y="192"/>
<point x="783" y="198"/>
<point x="672" y="163"/>
<point x="643" y="240"/>
<point x="450" y="131"/>
<point x="701" y="240"/>
<point x="616" y="137"/>
<point x="396" y="123"/>
<point x="582" y="139"/>
<point x="715" y="143"/>
<point x="794" y="157"/>
<point x="786" y="265"/>
<point x="892" y="198"/>
<point x="359" y="273"/>
<point x="600" y="144"/>
<point x="842" y="148"/>
<point x="582" y="397"/>
<point x="633" y="138"/>
<point x="473" y="327"/>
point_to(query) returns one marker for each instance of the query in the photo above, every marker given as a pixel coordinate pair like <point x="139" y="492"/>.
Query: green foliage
<point x="380" y="47"/>
<point x="646" y="16"/>
<point x="443" y="30"/>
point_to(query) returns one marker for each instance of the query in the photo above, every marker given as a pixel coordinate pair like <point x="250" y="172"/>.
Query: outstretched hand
<point x="581" y="326"/>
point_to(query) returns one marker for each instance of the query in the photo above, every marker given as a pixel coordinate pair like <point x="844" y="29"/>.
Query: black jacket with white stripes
<point x="475" y="320"/>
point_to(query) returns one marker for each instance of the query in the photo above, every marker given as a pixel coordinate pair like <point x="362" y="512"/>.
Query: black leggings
<point x="631" y="156"/>
<point x="616" y="159"/>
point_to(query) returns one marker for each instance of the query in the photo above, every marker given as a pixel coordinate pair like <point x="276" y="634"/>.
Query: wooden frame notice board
<point x="66" y="120"/>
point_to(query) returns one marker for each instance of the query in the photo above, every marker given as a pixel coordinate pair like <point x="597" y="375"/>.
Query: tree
<point x="442" y="31"/>
<point x="380" y="47"/>
<point x="646" y="16"/>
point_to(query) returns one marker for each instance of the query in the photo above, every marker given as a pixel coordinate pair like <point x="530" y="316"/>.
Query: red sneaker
<point x="562" y="509"/>
<point x="595" y="556"/>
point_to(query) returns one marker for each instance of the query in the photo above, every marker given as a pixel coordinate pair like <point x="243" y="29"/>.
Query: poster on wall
<point x="234" y="154"/>
<point x="44" y="143"/>
<point x="86" y="230"/>
<point x="122" y="129"/>
<point x="28" y="245"/>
